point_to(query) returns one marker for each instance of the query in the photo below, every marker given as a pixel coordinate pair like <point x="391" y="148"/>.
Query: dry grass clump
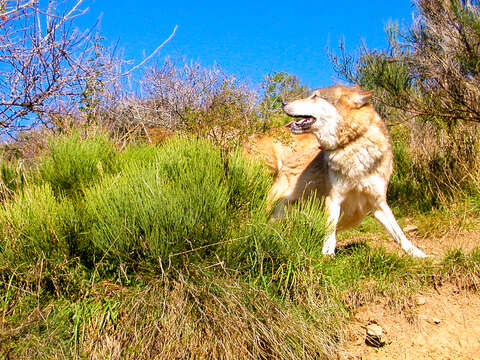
<point x="462" y="269"/>
<point x="198" y="315"/>
<point x="216" y="318"/>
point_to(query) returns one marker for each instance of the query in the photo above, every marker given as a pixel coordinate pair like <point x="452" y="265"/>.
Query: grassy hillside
<point x="167" y="252"/>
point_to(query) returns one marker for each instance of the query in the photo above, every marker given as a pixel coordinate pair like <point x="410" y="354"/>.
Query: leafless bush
<point x="51" y="72"/>
<point x="187" y="98"/>
<point x="44" y="62"/>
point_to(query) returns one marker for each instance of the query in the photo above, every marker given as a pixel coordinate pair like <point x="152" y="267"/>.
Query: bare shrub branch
<point x="186" y="98"/>
<point x="50" y="71"/>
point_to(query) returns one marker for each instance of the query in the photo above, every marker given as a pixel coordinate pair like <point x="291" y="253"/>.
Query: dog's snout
<point x="283" y="102"/>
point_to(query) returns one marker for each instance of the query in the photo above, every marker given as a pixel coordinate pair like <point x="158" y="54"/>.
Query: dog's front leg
<point x="332" y="204"/>
<point x="384" y="214"/>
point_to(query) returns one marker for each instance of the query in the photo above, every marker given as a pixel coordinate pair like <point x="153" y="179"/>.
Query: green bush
<point x="35" y="226"/>
<point x="179" y="203"/>
<point x="73" y="163"/>
<point x="179" y="206"/>
<point x="248" y="185"/>
<point x="410" y="186"/>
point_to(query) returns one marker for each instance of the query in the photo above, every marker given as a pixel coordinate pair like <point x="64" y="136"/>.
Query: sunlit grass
<point x="155" y="243"/>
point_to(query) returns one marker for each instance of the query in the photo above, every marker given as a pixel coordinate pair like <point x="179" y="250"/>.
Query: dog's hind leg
<point x="333" y="207"/>
<point x="279" y="211"/>
<point x="384" y="214"/>
<point x="280" y="194"/>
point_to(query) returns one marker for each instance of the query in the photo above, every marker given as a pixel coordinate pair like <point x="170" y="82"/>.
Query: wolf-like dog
<point x="351" y="171"/>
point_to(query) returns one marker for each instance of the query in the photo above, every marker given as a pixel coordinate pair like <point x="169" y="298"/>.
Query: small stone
<point x="375" y="335"/>
<point x="410" y="228"/>
<point x="420" y="300"/>
<point x="430" y="319"/>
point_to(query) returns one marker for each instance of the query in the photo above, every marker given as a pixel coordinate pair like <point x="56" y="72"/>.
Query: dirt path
<point x="443" y="324"/>
<point x="435" y="246"/>
<point x="446" y="326"/>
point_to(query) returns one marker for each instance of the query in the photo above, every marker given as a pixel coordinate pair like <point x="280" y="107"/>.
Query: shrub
<point x="179" y="206"/>
<point x="187" y="99"/>
<point x="433" y="166"/>
<point x="426" y="81"/>
<point x="35" y="226"/>
<point x="72" y="162"/>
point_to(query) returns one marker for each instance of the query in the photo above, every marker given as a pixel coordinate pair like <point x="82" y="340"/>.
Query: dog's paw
<point x="328" y="252"/>
<point x="416" y="252"/>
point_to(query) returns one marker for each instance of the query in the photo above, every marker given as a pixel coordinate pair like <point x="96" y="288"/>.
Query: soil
<point x="444" y="323"/>
<point x="447" y="326"/>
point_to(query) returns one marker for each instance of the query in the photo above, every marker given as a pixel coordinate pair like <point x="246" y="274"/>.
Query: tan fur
<point x="352" y="174"/>
<point x="278" y="145"/>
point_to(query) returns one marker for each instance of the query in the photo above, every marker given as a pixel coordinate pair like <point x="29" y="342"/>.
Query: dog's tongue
<point x="298" y="122"/>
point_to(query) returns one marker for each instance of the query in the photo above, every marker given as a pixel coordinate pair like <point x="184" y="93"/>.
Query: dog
<point x="352" y="168"/>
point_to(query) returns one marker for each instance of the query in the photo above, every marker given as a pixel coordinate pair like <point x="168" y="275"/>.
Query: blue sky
<point x="249" y="39"/>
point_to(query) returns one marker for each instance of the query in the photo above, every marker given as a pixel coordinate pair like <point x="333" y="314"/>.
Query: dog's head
<point x="311" y="112"/>
<point x="325" y="111"/>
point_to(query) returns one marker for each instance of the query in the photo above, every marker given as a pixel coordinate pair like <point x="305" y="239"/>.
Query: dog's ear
<point x="360" y="98"/>
<point x="356" y="87"/>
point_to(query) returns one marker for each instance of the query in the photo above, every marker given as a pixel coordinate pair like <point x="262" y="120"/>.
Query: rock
<point x="429" y="319"/>
<point x="420" y="300"/>
<point x="410" y="228"/>
<point x="375" y="336"/>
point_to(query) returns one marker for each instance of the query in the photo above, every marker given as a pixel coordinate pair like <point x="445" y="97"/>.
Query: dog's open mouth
<point x="300" y="125"/>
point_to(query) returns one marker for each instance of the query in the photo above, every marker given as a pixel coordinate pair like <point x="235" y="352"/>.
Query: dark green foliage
<point x="411" y="186"/>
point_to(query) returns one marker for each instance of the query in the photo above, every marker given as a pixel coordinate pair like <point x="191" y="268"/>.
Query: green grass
<point x="12" y="178"/>
<point x="73" y="163"/>
<point x="168" y="251"/>
<point x="273" y="254"/>
<point x="411" y="186"/>
<point x="34" y="226"/>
